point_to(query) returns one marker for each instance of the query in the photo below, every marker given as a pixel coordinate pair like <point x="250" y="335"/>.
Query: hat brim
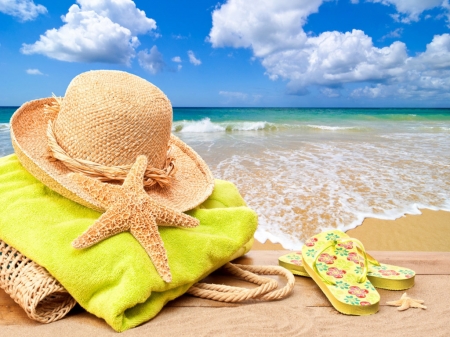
<point x="192" y="184"/>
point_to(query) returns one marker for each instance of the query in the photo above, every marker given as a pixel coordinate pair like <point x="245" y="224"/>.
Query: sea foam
<point x="300" y="187"/>
<point x="205" y="125"/>
<point x="5" y="140"/>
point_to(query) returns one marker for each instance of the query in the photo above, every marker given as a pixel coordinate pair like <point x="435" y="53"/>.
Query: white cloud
<point x="330" y="92"/>
<point x="195" y="61"/>
<point x="234" y="95"/>
<point x="25" y="10"/>
<point x="393" y="34"/>
<point x="409" y="10"/>
<point x="266" y="26"/>
<point x="176" y="59"/>
<point x="424" y="76"/>
<point x="151" y="61"/>
<point x="376" y="91"/>
<point x="122" y="12"/>
<point x="34" y="72"/>
<point x="95" y="31"/>
<point x="179" y="36"/>
<point x="436" y="56"/>
<point x="332" y="59"/>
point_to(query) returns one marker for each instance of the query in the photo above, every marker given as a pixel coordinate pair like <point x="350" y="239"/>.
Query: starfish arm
<point x="104" y="193"/>
<point x="135" y="177"/>
<point x="395" y="303"/>
<point x="166" y="216"/>
<point x="405" y="305"/>
<point x="406" y="302"/>
<point x="107" y="225"/>
<point x="146" y="232"/>
<point x="418" y="301"/>
<point x="417" y="304"/>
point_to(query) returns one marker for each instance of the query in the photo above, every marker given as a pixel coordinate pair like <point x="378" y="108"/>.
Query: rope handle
<point x="266" y="290"/>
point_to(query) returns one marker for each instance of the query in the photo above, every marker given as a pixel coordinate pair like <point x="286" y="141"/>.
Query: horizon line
<point x="277" y="107"/>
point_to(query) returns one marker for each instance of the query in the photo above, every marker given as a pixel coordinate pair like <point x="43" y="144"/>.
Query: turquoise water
<point x="303" y="170"/>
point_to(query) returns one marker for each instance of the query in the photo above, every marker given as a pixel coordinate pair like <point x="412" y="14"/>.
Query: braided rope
<point x="267" y="289"/>
<point x="162" y="177"/>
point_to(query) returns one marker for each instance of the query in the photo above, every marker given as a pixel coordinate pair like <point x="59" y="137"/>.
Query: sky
<point x="234" y="53"/>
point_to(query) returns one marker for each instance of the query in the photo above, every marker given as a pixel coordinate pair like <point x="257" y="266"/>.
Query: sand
<point x="306" y="312"/>
<point x="420" y="242"/>
<point x="428" y="232"/>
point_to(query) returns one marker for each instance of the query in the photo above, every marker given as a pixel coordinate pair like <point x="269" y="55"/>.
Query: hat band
<point x="163" y="177"/>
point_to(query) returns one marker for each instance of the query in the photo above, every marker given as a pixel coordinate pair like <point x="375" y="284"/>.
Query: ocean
<point x="304" y="170"/>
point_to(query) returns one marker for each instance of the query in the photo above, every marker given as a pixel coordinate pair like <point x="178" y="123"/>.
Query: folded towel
<point x="115" y="279"/>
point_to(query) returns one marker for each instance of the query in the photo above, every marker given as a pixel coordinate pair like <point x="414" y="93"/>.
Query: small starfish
<point x="130" y="208"/>
<point x="406" y="302"/>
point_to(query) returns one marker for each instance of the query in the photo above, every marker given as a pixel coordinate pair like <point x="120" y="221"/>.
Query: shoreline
<point x="427" y="232"/>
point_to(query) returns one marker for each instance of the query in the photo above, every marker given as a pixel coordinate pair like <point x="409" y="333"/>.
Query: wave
<point x="205" y="125"/>
<point x="437" y="128"/>
<point x="334" y="128"/>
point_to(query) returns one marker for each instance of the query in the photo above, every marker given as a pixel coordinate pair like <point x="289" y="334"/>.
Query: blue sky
<point x="283" y="53"/>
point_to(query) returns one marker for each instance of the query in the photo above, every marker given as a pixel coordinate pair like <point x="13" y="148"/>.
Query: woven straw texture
<point x="41" y="296"/>
<point x="109" y="118"/>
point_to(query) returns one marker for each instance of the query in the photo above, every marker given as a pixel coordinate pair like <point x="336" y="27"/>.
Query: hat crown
<point x="111" y="117"/>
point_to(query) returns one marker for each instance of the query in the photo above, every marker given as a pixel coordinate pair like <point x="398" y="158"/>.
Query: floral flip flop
<point x="384" y="276"/>
<point x="343" y="280"/>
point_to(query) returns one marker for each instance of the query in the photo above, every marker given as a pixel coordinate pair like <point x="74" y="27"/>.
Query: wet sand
<point x="426" y="232"/>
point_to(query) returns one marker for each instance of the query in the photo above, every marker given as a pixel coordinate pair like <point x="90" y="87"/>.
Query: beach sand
<point x="420" y="242"/>
<point x="427" y="232"/>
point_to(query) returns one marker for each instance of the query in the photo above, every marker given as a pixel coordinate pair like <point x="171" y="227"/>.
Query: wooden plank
<point x="425" y="263"/>
<point x="305" y="310"/>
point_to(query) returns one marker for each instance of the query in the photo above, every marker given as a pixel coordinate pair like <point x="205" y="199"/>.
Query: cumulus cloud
<point x="409" y="10"/>
<point x="436" y="56"/>
<point x="330" y="60"/>
<point x="152" y="60"/>
<point x="176" y="59"/>
<point x="122" y="12"/>
<point x="24" y="10"/>
<point x="95" y="31"/>
<point x="425" y="76"/>
<point x="195" y="61"/>
<point x="266" y="26"/>
<point x="34" y="72"/>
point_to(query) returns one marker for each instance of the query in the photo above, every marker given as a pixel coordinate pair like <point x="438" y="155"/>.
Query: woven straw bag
<point x="42" y="297"/>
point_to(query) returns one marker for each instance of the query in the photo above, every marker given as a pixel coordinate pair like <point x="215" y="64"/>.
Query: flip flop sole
<point x="384" y="276"/>
<point x="339" y="277"/>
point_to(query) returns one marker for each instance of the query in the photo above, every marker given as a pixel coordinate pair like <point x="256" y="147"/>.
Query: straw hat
<point x="104" y="122"/>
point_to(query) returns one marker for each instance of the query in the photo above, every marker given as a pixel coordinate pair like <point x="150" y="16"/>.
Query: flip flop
<point x="383" y="276"/>
<point x="344" y="282"/>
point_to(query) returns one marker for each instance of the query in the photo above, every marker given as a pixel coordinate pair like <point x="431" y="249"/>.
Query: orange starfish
<point x="129" y="208"/>
<point x="406" y="302"/>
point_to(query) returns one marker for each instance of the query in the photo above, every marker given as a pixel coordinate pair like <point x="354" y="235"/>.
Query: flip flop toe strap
<point x="360" y="249"/>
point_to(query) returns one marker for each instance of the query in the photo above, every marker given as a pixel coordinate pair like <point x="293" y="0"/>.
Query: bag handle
<point x="266" y="290"/>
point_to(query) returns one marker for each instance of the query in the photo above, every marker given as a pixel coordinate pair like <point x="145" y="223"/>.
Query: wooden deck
<point x="306" y="312"/>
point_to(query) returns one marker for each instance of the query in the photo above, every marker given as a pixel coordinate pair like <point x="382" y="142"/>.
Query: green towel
<point x="115" y="279"/>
